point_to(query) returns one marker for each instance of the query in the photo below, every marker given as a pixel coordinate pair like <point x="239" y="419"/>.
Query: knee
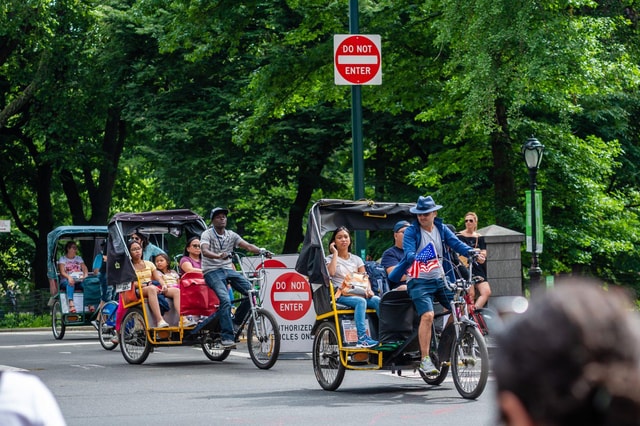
<point x="361" y="302"/>
<point x="427" y="317"/>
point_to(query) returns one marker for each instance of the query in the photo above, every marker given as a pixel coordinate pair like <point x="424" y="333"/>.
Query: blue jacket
<point x="411" y="242"/>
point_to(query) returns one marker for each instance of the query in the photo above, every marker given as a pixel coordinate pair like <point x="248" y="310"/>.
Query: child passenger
<point x="171" y="279"/>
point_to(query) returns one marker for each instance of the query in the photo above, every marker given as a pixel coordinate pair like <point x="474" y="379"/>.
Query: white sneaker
<point x="162" y="324"/>
<point x="188" y="322"/>
<point x="427" y="367"/>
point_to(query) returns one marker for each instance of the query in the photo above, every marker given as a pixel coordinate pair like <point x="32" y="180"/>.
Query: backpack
<point x="377" y="277"/>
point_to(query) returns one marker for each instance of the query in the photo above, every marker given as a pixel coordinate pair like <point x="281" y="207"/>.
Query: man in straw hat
<point x="427" y="264"/>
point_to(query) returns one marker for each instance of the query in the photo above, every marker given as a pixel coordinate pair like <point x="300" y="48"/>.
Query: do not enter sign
<point x="357" y="59"/>
<point x="291" y="296"/>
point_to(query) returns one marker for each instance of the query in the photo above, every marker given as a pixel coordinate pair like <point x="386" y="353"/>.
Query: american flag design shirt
<point x="426" y="263"/>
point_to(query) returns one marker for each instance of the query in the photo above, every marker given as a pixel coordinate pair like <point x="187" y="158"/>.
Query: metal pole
<point x="356" y="131"/>
<point x="534" y="272"/>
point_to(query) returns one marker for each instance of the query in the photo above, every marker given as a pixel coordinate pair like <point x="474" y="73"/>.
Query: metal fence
<point x="16" y="305"/>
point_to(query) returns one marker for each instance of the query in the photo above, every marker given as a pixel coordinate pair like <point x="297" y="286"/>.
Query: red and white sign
<point x="291" y="296"/>
<point x="357" y="59"/>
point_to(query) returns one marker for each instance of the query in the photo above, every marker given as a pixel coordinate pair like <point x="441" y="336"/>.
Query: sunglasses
<point x="468" y="220"/>
<point x="195" y="245"/>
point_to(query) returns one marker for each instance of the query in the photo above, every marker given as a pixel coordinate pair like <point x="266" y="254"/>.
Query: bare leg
<point x="424" y="333"/>
<point x="485" y="291"/>
<point x="151" y="294"/>
<point x="174" y="293"/>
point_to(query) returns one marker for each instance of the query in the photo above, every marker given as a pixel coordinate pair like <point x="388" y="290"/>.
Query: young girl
<point x="171" y="279"/>
<point x="170" y="276"/>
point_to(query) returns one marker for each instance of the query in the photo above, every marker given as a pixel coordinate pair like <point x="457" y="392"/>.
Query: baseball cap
<point x="399" y="225"/>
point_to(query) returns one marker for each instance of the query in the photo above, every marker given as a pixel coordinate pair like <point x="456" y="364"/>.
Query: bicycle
<point x="263" y="333"/>
<point x="461" y="345"/>
<point x="107" y="325"/>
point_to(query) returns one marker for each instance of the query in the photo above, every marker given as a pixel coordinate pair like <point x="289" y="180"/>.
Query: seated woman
<point x="191" y="260"/>
<point x="72" y="271"/>
<point x="171" y="279"/>
<point x="341" y="265"/>
<point x="147" y="272"/>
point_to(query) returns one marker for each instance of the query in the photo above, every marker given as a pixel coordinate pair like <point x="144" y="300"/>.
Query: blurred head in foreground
<point x="573" y="358"/>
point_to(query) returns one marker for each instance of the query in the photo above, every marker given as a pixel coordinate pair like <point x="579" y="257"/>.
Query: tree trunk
<point x="502" y="176"/>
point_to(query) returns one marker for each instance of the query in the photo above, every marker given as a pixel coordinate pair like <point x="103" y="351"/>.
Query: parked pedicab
<point x="137" y="332"/>
<point x="86" y="296"/>
<point x="459" y="346"/>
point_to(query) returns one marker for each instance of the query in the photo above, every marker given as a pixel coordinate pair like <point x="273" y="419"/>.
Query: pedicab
<point x="138" y="334"/>
<point x="458" y="345"/>
<point x="86" y="296"/>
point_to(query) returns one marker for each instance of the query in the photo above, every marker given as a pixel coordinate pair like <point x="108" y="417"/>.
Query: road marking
<point x="44" y="345"/>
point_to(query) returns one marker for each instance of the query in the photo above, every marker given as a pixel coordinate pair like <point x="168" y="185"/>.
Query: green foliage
<point x="25" y="320"/>
<point x="140" y="105"/>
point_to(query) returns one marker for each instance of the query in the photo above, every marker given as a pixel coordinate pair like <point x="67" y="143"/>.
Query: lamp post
<point x="532" y="151"/>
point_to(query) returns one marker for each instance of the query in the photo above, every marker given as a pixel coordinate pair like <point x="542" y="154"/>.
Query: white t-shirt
<point x="72" y="266"/>
<point x="344" y="267"/>
<point x="26" y="401"/>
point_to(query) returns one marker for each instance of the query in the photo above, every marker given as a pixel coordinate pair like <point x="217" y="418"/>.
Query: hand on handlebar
<point x="266" y="253"/>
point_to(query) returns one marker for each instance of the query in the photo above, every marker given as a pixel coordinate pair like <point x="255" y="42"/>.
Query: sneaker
<point x="188" y="322"/>
<point x="366" y="342"/>
<point x="228" y="343"/>
<point x="51" y="301"/>
<point x="94" y="323"/>
<point x="427" y="367"/>
<point x="162" y="324"/>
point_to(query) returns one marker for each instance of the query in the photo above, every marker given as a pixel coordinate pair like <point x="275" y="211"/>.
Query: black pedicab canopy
<point x="181" y="222"/>
<point x="328" y="215"/>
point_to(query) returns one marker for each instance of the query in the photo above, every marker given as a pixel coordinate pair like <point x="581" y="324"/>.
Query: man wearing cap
<point x="394" y="254"/>
<point x="427" y="264"/>
<point x="216" y="244"/>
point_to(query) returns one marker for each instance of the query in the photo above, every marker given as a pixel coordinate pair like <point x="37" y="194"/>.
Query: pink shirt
<point x="195" y="263"/>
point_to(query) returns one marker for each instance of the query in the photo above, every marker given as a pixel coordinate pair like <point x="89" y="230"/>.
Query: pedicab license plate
<point x="120" y="287"/>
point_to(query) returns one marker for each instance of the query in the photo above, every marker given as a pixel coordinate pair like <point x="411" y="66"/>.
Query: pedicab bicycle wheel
<point x="470" y="363"/>
<point x="263" y="339"/>
<point x="134" y="344"/>
<point x="213" y="349"/>
<point x="58" y="326"/>
<point x="326" y="357"/>
<point x="107" y="325"/>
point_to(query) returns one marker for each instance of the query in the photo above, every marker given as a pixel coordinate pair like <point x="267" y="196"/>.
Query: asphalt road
<point x="179" y="385"/>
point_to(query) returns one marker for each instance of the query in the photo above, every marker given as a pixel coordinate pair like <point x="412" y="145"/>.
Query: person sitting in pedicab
<point x="72" y="271"/>
<point x="343" y="266"/>
<point x="147" y="273"/>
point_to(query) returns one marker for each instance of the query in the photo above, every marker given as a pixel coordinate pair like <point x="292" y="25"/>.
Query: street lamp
<point x="532" y="151"/>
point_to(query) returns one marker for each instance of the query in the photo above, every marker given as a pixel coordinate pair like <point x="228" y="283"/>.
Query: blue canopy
<point x="76" y="233"/>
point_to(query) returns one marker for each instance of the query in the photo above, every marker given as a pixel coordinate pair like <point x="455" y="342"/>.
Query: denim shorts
<point x="422" y="292"/>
